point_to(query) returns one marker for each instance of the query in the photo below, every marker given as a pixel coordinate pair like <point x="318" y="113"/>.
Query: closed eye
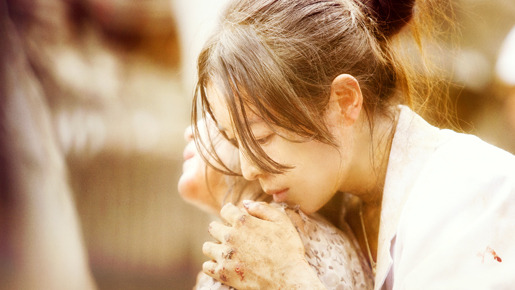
<point x="264" y="140"/>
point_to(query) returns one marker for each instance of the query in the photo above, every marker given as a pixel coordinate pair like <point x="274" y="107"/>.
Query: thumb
<point x="264" y="211"/>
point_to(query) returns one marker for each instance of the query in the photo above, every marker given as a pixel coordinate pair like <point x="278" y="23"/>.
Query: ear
<point x="346" y="98"/>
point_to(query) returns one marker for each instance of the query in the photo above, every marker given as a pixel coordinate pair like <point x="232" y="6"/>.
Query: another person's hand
<point x="258" y="249"/>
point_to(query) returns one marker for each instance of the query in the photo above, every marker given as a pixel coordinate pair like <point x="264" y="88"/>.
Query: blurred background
<point x="117" y="78"/>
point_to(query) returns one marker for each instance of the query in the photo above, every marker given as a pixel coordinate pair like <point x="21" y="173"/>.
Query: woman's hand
<point x="258" y="249"/>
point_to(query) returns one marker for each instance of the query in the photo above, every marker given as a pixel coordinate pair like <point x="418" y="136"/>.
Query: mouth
<point x="187" y="154"/>
<point x="189" y="151"/>
<point x="280" y="195"/>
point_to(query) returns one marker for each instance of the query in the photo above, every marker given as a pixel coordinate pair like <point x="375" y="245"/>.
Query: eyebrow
<point x="250" y="122"/>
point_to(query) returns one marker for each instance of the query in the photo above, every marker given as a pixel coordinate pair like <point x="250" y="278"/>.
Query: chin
<point x="309" y="209"/>
<point x="193" y="193"/>
<point x="188" y="187"/>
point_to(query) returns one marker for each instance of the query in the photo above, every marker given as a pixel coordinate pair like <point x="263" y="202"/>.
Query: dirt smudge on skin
<point x="223" y="277"/>
<point x="240" y="270"/>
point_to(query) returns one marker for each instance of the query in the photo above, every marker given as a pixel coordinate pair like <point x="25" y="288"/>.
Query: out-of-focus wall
<point x="196" y="20"/>
<point x="481" y="96"/>
<point x="118" y="77"/>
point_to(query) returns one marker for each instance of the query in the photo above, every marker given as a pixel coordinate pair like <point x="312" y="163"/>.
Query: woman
<point x="314" y="96"/>
<point x="333" y="254"/>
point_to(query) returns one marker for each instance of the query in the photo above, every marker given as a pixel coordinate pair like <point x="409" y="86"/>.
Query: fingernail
<point x="246" y="203"/>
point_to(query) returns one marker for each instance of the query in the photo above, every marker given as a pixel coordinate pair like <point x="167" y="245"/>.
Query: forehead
<point x="220" y="109"/>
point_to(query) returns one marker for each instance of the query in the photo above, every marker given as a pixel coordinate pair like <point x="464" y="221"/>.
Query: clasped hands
<point x="258" y="247"/>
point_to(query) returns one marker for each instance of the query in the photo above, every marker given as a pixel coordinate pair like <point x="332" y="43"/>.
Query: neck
<point x="372" y="149"/>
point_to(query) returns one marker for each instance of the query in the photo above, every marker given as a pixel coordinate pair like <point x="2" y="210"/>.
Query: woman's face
<point x="316" y="173"/>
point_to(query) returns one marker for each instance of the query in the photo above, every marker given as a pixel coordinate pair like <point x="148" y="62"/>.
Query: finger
<point x="264" y="211"/>
<point x="212" y="269"/>
<point x="214" y="251"/>
<point x="209" y="267"/>
<point x="231" y="214"/>
<point x="219" y="231"/>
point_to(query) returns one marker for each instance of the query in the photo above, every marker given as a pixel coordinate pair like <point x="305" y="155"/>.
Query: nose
<point x="248" y="169"/>
<point x="188" y="134"/>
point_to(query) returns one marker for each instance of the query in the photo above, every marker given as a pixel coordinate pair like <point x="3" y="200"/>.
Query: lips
<point x="279" y="195"/>
<point x="189" y="164"/>
<point x="188" y="153"/>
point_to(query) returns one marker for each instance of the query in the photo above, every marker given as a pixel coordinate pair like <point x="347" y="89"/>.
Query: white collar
<point x="413" y="141"/>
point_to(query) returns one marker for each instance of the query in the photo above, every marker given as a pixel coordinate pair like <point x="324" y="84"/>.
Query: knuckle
<point x="240" y="271"/>
<point x="209" y="268"/>
<point x="242" y="219"/>
<point x="222" y="273"/>
<point x="228" y="254"/>
<point x="228" y="238"/>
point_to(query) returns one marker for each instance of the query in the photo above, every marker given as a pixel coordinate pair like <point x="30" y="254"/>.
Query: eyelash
<point x="264" y="140"/>
<point x="260" y="141"/>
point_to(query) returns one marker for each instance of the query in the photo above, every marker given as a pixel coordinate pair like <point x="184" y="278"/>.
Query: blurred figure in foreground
<point x="41" y="245"/>
<point x="111" y="100"/>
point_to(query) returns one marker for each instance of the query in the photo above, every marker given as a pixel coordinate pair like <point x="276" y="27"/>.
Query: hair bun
<point x="391" y="15"/>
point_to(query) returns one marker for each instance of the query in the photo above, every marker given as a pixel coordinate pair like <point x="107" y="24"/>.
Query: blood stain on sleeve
<point x="494" y="254"/>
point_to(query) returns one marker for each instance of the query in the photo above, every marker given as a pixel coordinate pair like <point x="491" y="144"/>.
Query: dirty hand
<point x="258" y="248"/>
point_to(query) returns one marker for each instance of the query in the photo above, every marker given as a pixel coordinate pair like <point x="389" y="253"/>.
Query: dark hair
<point x="278" y="59"/>
<point x="390" y="15"/>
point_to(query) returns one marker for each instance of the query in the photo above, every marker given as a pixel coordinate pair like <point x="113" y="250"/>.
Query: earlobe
<point x="346" y="94"/>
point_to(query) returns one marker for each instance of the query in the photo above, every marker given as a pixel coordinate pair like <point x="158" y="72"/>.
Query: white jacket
<point x="448" y="211"/>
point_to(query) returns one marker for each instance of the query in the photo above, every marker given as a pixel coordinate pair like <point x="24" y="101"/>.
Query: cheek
<point x="318" y="178"/>
<point x="193" y="188"/>
<point x="192" y="181"/>
<point x="314" y="194"/>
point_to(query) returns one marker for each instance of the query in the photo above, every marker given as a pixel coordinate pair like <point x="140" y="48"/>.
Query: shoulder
<point x="332" y="252"/>
<point x="463" y="173"/>
<point x="468" y="150"/>
<point x="460" y="215"/>
<point x="464" y="162"/>
<point x="463" y="167"/>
